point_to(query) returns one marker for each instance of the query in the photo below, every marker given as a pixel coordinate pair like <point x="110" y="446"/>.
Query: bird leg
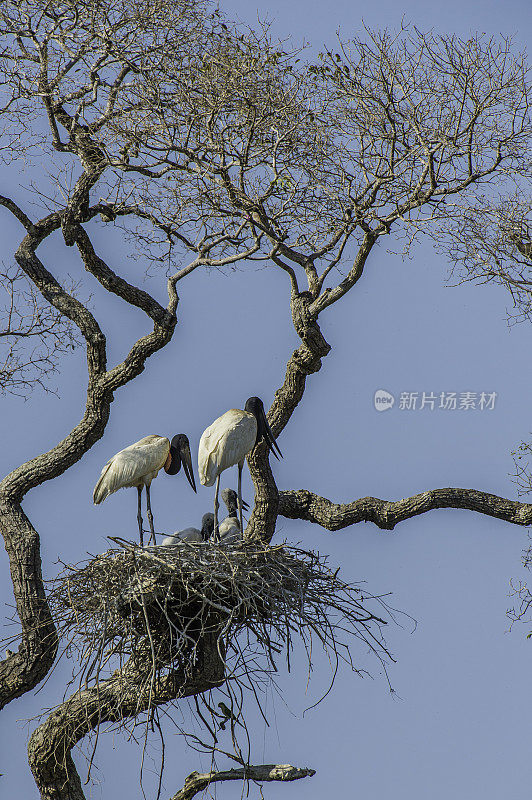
<point x="150" y="515"/>
<point x="240" y="468"/>
<point x="216" y="507"/>
<point x="139" y="516"/>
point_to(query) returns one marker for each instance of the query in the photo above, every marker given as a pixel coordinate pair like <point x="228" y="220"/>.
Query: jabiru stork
<point x="138" y="464"/>
<point x="228" y="441"/>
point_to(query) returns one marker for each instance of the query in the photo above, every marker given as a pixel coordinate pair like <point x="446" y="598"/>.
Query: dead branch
<point x="197" y="782"/>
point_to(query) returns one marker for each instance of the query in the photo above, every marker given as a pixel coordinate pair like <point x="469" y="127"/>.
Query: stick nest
<point x="161" y="601"/>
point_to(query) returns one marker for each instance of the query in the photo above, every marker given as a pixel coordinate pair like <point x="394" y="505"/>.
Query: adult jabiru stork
<point x="228" y="441"/>
<point x="138" y="464"/>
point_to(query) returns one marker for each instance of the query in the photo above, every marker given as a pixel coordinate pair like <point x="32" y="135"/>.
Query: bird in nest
<point x="192" y="535"/>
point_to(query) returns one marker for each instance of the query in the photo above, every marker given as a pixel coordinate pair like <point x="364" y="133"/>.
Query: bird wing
<point x="186" y="535"/>
<point x="169" y="541"/>
<point x="225" y="443"/>
<point x="134" y="466"/>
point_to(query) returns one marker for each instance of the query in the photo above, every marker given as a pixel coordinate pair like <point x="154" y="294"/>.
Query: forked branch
<point x="123" y="696"/>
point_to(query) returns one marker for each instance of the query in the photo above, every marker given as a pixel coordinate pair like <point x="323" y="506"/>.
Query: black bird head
<point x="256" y="407"/>
<point x="180" y="452"/>
<point x="230" y="498"/>
<point x="207" y="526"/>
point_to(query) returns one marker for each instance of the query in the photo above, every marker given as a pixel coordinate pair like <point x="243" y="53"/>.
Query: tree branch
<point x="386" y="514"/>
<point x="197" y="782"/>
<point x="126" y="694"/>
<point x="330" y="296"/>
<point x="113" y="282"/>
<point x="23" y="670"/>
<point x="16" y="211"/>
<point x="304" y="361"/>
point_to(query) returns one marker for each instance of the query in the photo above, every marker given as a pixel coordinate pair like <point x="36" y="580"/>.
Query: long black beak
<point x="245" y="505"/>
<point x="187" y="462"/>
<point x="266" y="432"/>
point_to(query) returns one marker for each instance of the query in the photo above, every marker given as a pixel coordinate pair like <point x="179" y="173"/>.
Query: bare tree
<point x="44" y="47"/>
<point x="491" y="242"/>
<point x="34" y="337"/>
<point x="198" y="139"/>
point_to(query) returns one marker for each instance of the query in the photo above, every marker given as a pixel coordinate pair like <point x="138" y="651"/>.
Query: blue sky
<point x="459" y="722"/>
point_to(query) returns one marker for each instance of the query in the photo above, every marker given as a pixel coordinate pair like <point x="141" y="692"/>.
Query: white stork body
<point x="134" y="466"/>
<point x="138" y="465"/>
<point x="222" y="445"/>
<point x="227" y="442"/>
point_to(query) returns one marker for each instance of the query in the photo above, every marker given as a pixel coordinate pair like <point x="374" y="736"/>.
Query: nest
<point x="125" y="599"/>
<point x="159" y="605"/>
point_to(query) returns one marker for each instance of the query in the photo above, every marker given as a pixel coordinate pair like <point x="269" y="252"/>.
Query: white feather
<point x="229" y="531"/>
<point x="186" y="535"/>
<point x="225" y="443"/>
<point x="136" y="465"/>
